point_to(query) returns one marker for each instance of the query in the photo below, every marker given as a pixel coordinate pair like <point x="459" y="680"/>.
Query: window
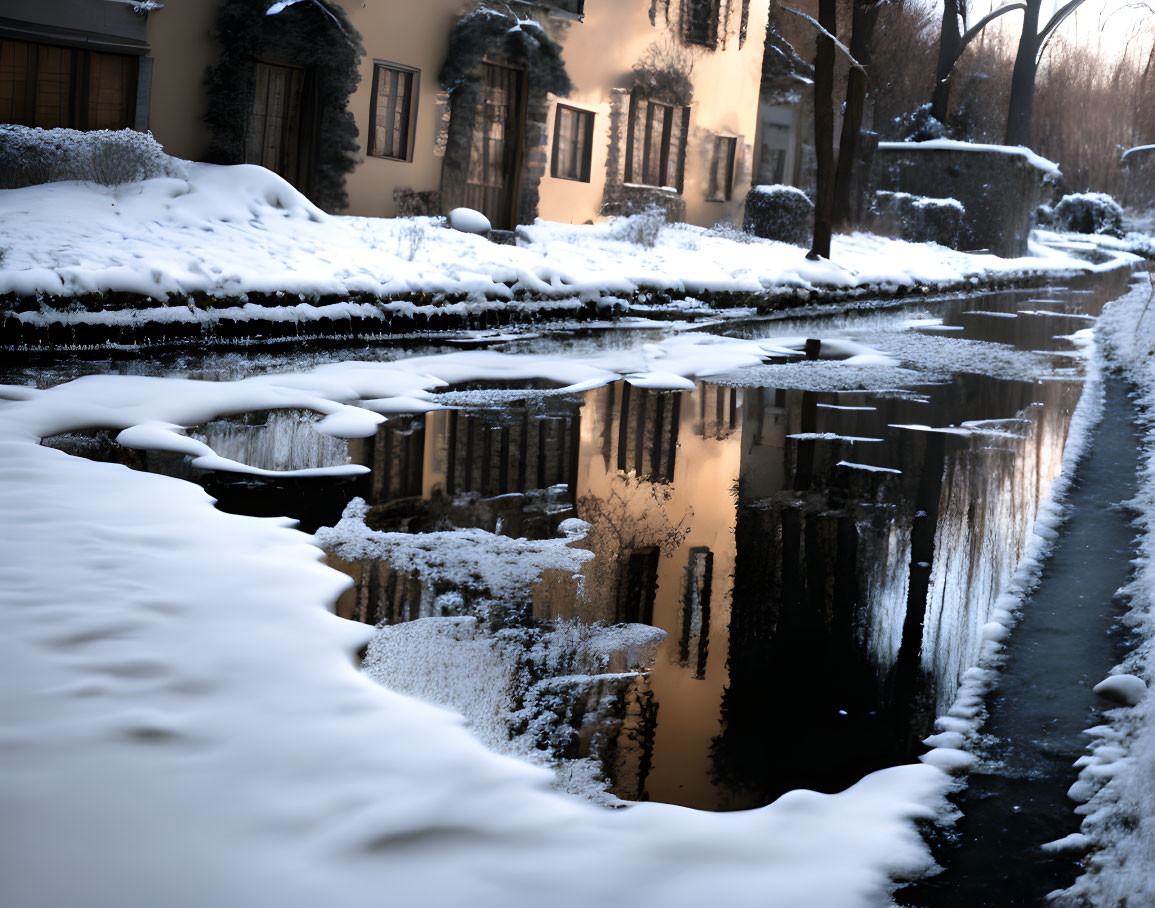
<point x="722" y="169"/>
<point x="48" y="86"/>
<point x="573" y="7"/>
<point x="638" y="586"/>
<point x="394" y="112"/>
<point x="700" y="21"/>
<point x="694" y="644"/>
<point x="656" y="143"/>
<point x="573" y="135"/>
<point x="648" y="432"/>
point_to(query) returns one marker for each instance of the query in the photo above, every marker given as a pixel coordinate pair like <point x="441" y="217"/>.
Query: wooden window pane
<point x="14" y="80"/>
<point x="54" y="73"/>
<point x="111" y="91"/>
<point x="392" y="115"/>
<point x="573" y="130"/>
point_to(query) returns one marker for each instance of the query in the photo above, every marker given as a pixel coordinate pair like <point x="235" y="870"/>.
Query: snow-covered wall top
<point x="1035" y="160"/>
<point x="1131" y="151"/>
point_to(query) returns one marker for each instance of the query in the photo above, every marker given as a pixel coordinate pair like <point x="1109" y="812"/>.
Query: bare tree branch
<point x="986" y="20"/>
<point x="1056" y="20"/>
<point x="842" y="47"/>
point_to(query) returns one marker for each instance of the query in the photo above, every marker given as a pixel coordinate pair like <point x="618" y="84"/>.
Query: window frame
<point x="711" y="41"/>
<point x="723" y="190"/>
<point x="584" y="128"/>
<point x="665" y="144"/>
<point x="413" y="96"/>
<point x="79" y="98"/>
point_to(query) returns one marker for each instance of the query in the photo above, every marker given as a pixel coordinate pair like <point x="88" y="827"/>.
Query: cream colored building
<point x="661" y="109"/>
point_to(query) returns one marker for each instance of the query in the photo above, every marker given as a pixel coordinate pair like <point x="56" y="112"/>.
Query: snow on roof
<point x="1035" y="160"/>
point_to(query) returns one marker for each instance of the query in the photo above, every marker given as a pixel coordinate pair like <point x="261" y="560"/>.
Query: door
<point x="495" y="146"/>
<point x="273" y="138"/>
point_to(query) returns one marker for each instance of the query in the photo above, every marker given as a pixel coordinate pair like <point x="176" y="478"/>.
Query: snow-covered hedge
<point x="1085" y="212"/>
<point x="917" y="218"/>
<point x="779" y="212"/>
<point x="29" y="156"/>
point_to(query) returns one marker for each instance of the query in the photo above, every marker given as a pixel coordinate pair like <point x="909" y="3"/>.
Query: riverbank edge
<point x="93" y="321"/>
<point x="1115" y="790"/>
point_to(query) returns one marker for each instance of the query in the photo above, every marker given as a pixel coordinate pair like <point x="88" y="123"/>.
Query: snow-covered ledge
<point x="1000" y="186"/>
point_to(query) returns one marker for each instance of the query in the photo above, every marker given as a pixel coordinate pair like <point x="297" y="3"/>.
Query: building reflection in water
<point x="822" y="563"/>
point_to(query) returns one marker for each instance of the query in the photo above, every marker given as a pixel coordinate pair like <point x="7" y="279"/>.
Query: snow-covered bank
<point x="1117" y="780"/>
<point x="227" y="232"/>
<point x="183" y="723"/>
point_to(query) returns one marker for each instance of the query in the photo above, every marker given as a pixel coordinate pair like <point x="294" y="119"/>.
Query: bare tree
<point x="863" y="19"/>
<point x="1032" y="44"/>
<point x="824" y="127"/>
<point x="952" y="43"/>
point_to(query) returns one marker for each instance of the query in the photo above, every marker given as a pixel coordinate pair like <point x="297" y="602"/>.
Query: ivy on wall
<point x="316" y="35"/>
<point x="499" y="36"/>
<point x="487" y="31"/>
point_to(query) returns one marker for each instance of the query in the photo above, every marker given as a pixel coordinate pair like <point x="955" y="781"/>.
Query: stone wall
<point x="1139" y="166"/>
<point x="998" y="190"/>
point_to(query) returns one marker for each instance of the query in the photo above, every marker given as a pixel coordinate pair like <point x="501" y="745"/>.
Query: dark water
<point x="821" y="560"/>
<point x="1068" y="639"/>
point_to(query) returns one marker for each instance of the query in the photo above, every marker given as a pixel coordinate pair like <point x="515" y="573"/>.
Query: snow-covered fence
<point x="29" y="156"/>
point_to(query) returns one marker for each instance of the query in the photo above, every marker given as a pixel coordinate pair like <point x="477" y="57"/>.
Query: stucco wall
<point x="393" y="33"/>
<point x="178" y="37"/>
<point x="600" y="53"/>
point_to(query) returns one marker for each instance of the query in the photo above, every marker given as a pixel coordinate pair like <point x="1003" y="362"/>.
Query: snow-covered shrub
<point x="917" y="218"/>
<point x="1088" y="212"/>
<point x="642" y="229"/>
<point x="779" y="212"/>
<point x="557" y="693"/>
<point x="727" y="231"/>
<point x="29" y="156"/>
<point x="919" y="125"/>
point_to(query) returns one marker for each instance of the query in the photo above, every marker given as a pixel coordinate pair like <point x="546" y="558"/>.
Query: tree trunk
<point x="1021" y="107"/>
<point x="845" y="212"/>
<point x="824" y="129"/>
<point x="950" y="48"/>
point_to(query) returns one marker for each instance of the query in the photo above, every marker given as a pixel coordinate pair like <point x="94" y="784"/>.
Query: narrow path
<point x="1068" y="639"/>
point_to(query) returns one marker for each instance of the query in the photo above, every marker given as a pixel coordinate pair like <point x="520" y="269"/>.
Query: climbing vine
<point x="316" y="35"/>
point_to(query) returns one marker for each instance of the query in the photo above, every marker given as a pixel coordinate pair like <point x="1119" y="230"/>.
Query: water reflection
<point x="821" y="562"/>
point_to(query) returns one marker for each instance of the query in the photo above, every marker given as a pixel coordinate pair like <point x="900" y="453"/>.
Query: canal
<point x="710" y="591"/>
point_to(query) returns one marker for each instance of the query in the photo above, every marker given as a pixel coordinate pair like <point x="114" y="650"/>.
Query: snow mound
<point x="469" y="221"/>
<point x="1126" y="690"/>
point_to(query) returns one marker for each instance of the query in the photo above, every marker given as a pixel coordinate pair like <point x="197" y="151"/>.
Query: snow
<point x="498" y="565"/>
<point x="1117" y="778"/>
<point x="867" y="467"/>
<point x="1131" y="151"/>
<point x="185" y="721"/>
<point x="922" y="201"/>
<point x="1124" y="689"/>
<point x="228" y="232"/>
<point x="1050" y="168"/>
<point x="469" y="221"/>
